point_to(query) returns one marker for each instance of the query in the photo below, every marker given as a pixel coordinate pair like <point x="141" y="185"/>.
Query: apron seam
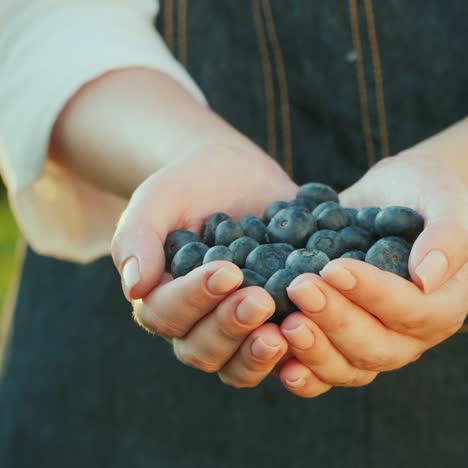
<point x="283" y="88"/>
<point x="269" y="89"/>
<point x="361" y="82"/>
<point x="378" y="78"/>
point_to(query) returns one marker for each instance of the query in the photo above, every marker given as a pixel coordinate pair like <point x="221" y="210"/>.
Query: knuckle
<point x="228" y="330"/>
<point x="192" y="360"/>
<point x="197" y="299"/>
<point x="377" y="360"/>
<point x="234" y="383"/>
<point x="166" y="328"/>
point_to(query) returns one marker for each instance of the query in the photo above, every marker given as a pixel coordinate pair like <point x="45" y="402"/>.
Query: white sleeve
<point x="48" y="50"/>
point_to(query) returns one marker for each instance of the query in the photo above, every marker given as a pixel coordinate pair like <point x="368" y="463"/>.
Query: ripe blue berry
<point x="334" y="217"/>
<point x="307" y="260"/>
<point x="399" y="221"/>
<point x="175" y="241"/>
<point x="366" y="218"/>
<point x="273" y="209"/>
<point x="241" y="248"/>
<point x="303" y="203"/>
<point x="268" y="258"/>
<point x="276" y="287"/>
<point x="390" y="254"/>
<point x="355" y="254"/>
<point x="316" y="192"/>
<point x="356" y="238"/>
<point x="327" y="241"/>
<point x="291" y="225"/>
<point x="211" y="224"/>
<point x="218" y="252"/>
<point x="188" y="258"/>
<point x="352" y="213"/>
<point x="322" y="207"/>
<point x="253" y="227"/>
<point x="227" y="232"/>
<point x="252" y="278"/>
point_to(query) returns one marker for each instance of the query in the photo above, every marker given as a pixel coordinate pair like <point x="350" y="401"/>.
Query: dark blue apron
<point x="327" y="88"/>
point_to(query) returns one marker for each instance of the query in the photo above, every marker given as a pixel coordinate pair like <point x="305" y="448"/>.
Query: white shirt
<point x="48" y="50"/>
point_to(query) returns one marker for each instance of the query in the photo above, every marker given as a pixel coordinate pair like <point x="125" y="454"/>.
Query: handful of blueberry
<point x="296" y="237"/>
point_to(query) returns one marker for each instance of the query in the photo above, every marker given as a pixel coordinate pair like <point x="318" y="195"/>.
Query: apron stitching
<point x="283" y="87"/>
<point x="168" y="24"/>
<point x="268" y="81"/>
<point x="363" y="101"/>
<point x="378" y="76"/>
<point x="11" y="299"/>
<point x="183" y="32"/>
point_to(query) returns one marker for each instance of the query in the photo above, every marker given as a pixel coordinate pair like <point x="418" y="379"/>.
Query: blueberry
<point x="268" y="258"/>
<point x="252" y="278"/>
<point x="228" y="231"/>
<point x="399" y="221"/>
<point x="355" y="254"/>
<point x="352" y="213"/>
<point x="273" y="209"/>
<point x="241" y="248"/>
<point x="333" y="217"/>
<point x="328" y="241"/>
<point x="307" y="260"/>
<point x="390" y="254"/>
<point x="322" y="207"/>
<point x="316" y="192"/>
<point x="189" y="257"/>
<point x="253" y="227"/>
<point x="175" y="241"/>
<point x="356" y="238"/>
<point x="276" y="287"/>
<point x="366" y="218"/>
<point x="218" y="252"/>
<point x="303" y="203"/>
<point x="211" y="224"/>
<point x="291" y="225"/>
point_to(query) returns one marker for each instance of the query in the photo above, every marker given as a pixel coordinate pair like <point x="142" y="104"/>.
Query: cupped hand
<point x="356" y="320"/>
<point x="212" y="326"/>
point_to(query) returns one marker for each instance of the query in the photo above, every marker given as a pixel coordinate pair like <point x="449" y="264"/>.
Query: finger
<point x="365" y="342"/>
<point x="312" y="348"/>
<point x="137" y="246"/>
<point x="256" y="358"/>
<point x="442" y="248"/>
<point x="301" y="381"/>
<point x="175" y="307"/>
<point x="215" y="338"/>
<point x="396" y="302"/>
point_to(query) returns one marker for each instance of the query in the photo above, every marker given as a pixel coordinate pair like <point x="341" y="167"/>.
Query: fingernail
<point x="296" y="383"/>
<point x="262" y="350"/>
<point x="251" y="312"/>
<point x="130" y="276"/>
<point x="310" y="298"/>
<point x="432" y="270"/>
<point x="223" y="281"/>
<point x="300" y="336"/>
<point x="338" y="276"/>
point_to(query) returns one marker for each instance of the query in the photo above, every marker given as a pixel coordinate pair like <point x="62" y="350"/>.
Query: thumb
<point x="442" y="248"/>
<point x="138" y="243"/>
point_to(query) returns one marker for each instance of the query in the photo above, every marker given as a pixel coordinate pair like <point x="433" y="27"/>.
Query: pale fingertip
<point x="130" y="276"/>
<point x="260" y="349"/>
<point x="295" y="383"/>
<point x="431" y="270"/>
<point x="338" y="276"/>
<point x="311" y="298"/>
<point x="224" y="281"/>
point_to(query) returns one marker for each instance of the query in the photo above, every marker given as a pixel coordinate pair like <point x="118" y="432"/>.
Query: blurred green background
<point x="8" y="239"/>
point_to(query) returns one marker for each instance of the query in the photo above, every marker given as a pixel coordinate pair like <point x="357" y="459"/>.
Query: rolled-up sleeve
<point x="48" y="50"/>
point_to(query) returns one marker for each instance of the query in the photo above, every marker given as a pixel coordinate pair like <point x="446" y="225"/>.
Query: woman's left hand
<point x="357" y="320"/>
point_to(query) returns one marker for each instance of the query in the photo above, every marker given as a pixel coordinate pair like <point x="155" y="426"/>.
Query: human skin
<point x="179" y="163"/>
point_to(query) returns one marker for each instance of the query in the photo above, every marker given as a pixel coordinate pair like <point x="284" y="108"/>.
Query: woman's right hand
<point x="212" y="325"/>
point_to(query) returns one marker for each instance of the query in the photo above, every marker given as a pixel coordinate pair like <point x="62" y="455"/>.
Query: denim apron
<point x="327" y="88"/>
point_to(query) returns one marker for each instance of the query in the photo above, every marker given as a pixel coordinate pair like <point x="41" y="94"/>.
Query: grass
<point x="8" y="239"/>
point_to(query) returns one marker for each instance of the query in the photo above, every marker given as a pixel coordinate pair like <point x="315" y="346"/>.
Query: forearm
<point x="122" y="127"/>
<point x="449" y="147"/>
